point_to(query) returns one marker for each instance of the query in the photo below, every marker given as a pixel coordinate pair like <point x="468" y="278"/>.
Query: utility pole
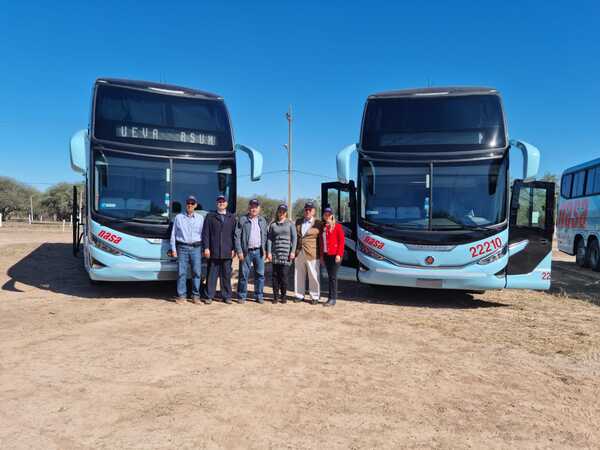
<point x="31" y="206"/>
<point x="288" y="116"/>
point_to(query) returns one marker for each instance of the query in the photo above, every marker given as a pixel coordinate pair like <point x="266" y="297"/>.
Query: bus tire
<point x="581" y="253"/>
<point x="594" y="255"/>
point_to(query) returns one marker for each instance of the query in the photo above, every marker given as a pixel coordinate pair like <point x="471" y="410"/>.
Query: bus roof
<point x="434" y="92"/>
<point x="159" y="87"/>
<point x="585" y="165"/>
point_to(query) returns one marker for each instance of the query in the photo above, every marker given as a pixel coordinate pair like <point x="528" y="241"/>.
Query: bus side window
<point x="565" y="189"/>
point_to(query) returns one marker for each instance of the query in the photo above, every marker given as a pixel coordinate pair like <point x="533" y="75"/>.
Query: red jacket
<point x="333" y="240"/>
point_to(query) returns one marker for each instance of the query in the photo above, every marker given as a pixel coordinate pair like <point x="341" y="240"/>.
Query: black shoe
<point x="314" y="301"/>
<point x="298" y="300"/>
<point x="228" y="301"/>
<point x="275" y="300"/>
<point x="284" y="300"/>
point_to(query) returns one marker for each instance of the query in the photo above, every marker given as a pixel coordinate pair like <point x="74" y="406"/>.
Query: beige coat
<point x="310" y="242"/>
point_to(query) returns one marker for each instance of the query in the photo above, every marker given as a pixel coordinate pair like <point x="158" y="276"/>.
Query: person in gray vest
<point x="250" y="243"/>
<point x="281" y="250"/>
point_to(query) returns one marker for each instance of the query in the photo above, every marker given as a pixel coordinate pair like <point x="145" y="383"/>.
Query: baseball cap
<point x="191" y="199"/>
<point x="310" y="205"/>
<point x="328" y="209"/>
<point x="221" y="197"/>
<point x="283" y="207"/>
<point x="254" y="202"/>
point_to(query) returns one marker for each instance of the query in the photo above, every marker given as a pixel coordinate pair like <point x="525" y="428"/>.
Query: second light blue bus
<point x="431" y="203"/>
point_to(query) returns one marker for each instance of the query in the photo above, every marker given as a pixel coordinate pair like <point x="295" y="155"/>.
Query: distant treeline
<point x="56" y="203"/>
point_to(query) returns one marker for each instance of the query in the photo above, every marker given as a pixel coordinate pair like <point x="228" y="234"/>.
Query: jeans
<point x="280" y="280"/>
<point x="186" y="255"/>
<point x="219" y="269"/>
<point x="253" y="258"/>
<point x="332" y="270"/>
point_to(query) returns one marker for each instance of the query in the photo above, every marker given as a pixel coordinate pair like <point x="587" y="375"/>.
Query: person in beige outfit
<point x="308" y="254"/>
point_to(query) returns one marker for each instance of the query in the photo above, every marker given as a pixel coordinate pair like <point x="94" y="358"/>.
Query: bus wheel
<point x="595" y="255"/>
<point x="581" y="256"/>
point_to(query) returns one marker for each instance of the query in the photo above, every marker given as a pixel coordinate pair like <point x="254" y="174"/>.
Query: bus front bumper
<point x="103" y="266"/>
<point x="471" y="277"/>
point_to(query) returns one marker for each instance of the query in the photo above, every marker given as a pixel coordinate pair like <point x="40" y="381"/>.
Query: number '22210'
<point x="486" y="247"/>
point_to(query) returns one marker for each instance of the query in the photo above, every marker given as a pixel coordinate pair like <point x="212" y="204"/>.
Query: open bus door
<point x="531" y="228"/>
<point x="341" y="197"/>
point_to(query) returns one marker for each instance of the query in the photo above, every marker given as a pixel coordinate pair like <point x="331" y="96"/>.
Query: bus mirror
<point x="531" y="158"/>
<point x="343" y="163"/>
<point x="256" y="161"/>
<point x="78" y="150"/>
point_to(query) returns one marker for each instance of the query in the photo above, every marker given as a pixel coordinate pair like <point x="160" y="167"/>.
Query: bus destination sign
<point x="164" y="134"/>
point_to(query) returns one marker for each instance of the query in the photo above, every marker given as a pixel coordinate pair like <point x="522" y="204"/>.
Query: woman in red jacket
<point x="332" y="245"/>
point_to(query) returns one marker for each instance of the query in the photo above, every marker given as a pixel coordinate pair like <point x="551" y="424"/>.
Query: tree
<point x="14" y="197"/>
<point x="58" y="200"/>
<point x="268" y="205"/>
<point x="299" y="206"/>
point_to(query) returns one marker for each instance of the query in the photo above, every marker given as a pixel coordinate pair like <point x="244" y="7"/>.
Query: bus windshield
<point x="153" y="119"/>
<point x="468" y="121"/>
<point x="150" y="190"/>
<point x="461" y="195"/>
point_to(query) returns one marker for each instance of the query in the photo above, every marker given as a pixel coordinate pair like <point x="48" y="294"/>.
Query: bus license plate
<point x="427" y="283"/>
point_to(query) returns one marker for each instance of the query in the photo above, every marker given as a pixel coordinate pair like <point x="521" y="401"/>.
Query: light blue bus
<point x="578" y="224"/>
<point x="430" y="204"/>
<point x="148" y="146"/>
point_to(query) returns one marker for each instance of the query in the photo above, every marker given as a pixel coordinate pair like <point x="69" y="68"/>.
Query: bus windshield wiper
<point x="145" y="220"/>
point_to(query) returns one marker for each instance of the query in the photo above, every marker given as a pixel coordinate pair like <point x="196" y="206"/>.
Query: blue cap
<point x="283" y="207"/>
<point x="254" y="202"/>
<point x="221" y="197"/>
<point x="310" y="205"/>
<point x="191" y="199"/>
<point x="328" y="210"/>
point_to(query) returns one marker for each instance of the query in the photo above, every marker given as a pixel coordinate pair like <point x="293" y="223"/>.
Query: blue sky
<point x="324" y="58"/>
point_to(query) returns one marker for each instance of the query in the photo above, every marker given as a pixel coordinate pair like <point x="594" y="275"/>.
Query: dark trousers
<point x="281" y="273"/>
<point x="219" y="269"/>
<point x="332" y="271"/>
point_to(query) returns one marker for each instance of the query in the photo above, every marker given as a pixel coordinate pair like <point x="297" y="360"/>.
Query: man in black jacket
<point x="218" y="242"/>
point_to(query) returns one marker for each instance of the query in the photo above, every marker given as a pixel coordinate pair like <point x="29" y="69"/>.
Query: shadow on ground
<point x="52" y="267"/>
<point x="572" y="281"/>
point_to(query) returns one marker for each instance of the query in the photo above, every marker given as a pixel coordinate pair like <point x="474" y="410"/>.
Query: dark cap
<point x="221" y="197"/>
<point x="309" y="205"/>
<point x="254" y="202"/>
<point x="191" y="199"/>
<point x="282" y="207"/>
<point x="327" y="209"/>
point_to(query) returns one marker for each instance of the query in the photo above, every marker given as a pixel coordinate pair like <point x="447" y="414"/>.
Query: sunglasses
<point x="190" y="203"/>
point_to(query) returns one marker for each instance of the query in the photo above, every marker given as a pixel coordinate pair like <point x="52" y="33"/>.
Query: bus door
<point x="531" y="228"/>
<point x="341" y="198"/>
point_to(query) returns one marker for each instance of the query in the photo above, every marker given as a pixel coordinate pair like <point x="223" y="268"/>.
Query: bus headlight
<point x="104" y="247"/>
<point x="495" y="257"/>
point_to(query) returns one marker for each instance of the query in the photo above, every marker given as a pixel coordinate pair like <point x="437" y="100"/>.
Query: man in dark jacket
<point x="218" y="237"/>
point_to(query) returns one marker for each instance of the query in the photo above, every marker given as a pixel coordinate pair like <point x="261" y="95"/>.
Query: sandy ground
<point x="118" y="366"/>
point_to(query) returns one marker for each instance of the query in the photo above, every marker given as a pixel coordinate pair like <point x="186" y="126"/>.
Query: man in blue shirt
<point x="186" y="243"/>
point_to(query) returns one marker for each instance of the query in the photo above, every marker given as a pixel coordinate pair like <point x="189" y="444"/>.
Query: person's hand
<point x="240" y="256"/>
<point x="292" y="256"/>
<point x="206" y="253"/>
<point x="269" y="257"/>
<point x="232" y="253"/>
<point x="338" y="259"/>
<point x="172" y="253"/>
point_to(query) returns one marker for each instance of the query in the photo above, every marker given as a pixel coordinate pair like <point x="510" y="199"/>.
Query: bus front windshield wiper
<point x="162" y="220"/>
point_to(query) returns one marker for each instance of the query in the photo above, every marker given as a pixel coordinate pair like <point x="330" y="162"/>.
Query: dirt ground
<point x="119" y="366"/>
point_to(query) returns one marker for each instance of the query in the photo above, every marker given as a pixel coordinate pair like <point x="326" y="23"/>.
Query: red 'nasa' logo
<point x="573" y="213"/>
